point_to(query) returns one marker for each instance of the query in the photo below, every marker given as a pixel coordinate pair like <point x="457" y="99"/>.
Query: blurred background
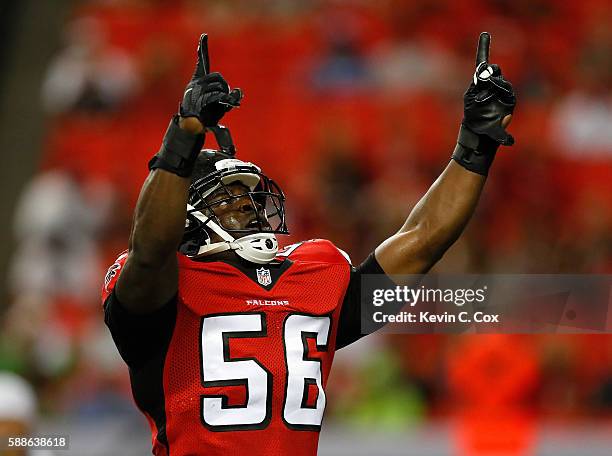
<point x="353" y="107"/>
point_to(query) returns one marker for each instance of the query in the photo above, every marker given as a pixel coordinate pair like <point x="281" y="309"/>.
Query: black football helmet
<point x="215" y="170"/>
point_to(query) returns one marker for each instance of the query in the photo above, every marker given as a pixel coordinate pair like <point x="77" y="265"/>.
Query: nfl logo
<point x="263" y="276"/>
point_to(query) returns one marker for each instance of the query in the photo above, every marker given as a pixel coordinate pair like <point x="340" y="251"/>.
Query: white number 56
<point x="218" y="369"/>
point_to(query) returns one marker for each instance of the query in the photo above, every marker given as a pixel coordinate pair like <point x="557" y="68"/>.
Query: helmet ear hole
<point x="189" y="248"/>
<point x="195" y="235"/>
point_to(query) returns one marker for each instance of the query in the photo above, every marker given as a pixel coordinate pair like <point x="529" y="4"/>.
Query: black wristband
<point x="474" y="152"/>
<point x="178" y="151"/>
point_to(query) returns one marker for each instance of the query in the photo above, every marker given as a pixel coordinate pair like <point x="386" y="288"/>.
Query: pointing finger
<point x="203" y="65"/>
<point x="482" y="54"/>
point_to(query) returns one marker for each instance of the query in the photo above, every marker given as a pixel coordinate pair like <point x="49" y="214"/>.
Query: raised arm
<point x="440" y="216"/>
<point x="149" y="278"/>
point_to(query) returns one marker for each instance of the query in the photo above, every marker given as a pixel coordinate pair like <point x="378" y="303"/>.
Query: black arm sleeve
<point x="139" y="337"/>
<point x="349" y="324"/>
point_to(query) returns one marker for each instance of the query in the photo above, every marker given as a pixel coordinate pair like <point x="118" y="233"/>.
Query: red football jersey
<point x="248" y="352"/>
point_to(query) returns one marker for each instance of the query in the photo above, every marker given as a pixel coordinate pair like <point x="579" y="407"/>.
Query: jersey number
<point x="303" y="372"/>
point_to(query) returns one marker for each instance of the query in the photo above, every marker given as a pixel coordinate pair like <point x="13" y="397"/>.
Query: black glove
<point x="207" y="96"/>
<point x="487" y="101"/>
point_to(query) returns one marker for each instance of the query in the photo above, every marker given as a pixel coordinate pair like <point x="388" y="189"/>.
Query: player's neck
<point x="227" y="255"/>
<point x="230" y="256"/>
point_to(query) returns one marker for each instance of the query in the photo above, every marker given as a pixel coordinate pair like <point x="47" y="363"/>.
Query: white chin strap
<point x="257" y="248"/>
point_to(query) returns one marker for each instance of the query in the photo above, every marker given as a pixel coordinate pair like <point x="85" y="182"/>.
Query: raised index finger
<point x="482" y="54"/>
<point x="203" y="65"/>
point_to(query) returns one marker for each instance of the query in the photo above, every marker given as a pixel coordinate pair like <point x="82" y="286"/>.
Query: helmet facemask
<point x="257" y="241"/>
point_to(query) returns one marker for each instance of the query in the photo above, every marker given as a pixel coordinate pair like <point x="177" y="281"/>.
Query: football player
<point x="229" y="341"/>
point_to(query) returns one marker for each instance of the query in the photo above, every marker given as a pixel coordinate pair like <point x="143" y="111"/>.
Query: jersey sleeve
<point x="110" y="279"/>
<point x="349" y="323"/>
<point x="139" y="338"/>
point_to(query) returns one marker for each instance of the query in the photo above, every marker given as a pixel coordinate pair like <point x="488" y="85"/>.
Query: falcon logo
<point x="112" y="272"/>
<point x="263" y="276"/>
